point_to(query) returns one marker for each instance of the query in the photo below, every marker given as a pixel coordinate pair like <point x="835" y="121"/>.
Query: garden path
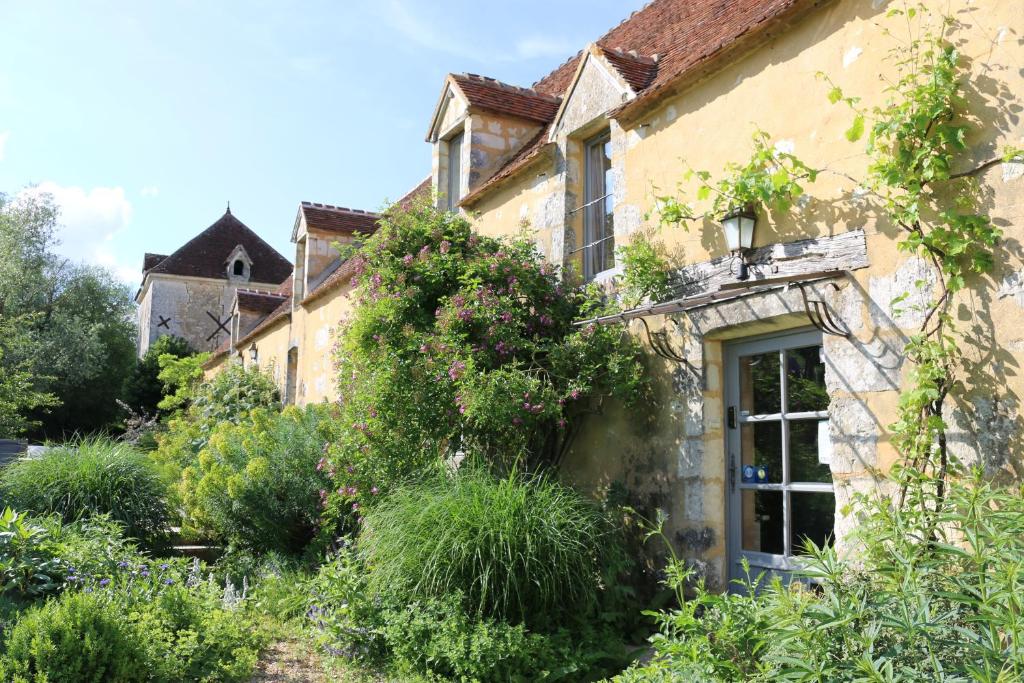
<point x="290" y="661"/>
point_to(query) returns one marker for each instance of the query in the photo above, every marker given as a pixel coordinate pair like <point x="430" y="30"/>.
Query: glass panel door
<point x="778" y="452"/>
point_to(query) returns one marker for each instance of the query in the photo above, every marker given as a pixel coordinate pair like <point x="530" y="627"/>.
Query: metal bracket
<point x="819" y="314"/>
<point x="663" y="347"/>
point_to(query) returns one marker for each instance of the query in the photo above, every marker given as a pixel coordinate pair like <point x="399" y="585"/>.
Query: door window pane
<point x="762" y="521"/>
<point x="805" y="380"/>
<point x="804" y="465"/>
<point x="760" y="385"/>
<point x="813" y="518"/>
<point x="762" y="453"/>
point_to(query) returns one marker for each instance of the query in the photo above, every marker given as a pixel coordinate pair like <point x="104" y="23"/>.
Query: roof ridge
<point x="332" y="207"/>
<point x="506" y="86"/>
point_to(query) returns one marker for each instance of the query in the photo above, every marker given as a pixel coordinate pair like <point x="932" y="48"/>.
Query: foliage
<point x="463" y="344"/>
<point x="76" y="334"/>
<point x="202" y="406"/>
<point x="911" y="609"/>
<point x="90" y="477"/>
<point x="259" y="484"/>
<point x="20" y="397"/>
<point x="78" y="637"/>
<point x="180" y="377"/>
<point x="143" y="389"/>
<point x="28" y="567"/>
<point x="437" y="639"/>
<point x="527" y="550"/>
<point x="772" y="178"/>
<point x="645" y="271"/>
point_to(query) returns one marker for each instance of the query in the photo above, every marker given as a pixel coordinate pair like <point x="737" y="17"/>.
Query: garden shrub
<point x="29" y="567"/>
<point x="437" y="639"/>
<point x="93" y="476"/>
<point x="461" y="343"/>
<point x="77" y="638"/>
<point x="259" y="484"/>
<point x="200" y="407"/>
<point x="519" y="549"/>
<point x="937" y="593"/>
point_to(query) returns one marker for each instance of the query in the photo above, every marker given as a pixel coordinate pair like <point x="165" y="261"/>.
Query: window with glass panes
<point x="599" y="204"/>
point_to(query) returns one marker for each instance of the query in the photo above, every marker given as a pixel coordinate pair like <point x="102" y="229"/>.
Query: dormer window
<point x="239" y="267"/>
<point x="453" y="189"/>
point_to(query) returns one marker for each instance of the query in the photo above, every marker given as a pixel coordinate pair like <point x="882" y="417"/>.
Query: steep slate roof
<point x="337" y="219"/>
<point x="206" y="254"/>
<point x="150" y="260"/>
<point x="670" y="39"/>
<point x="501" y="98"/>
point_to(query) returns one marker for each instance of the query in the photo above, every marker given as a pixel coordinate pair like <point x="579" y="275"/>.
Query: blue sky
<point x="143" y="118"/>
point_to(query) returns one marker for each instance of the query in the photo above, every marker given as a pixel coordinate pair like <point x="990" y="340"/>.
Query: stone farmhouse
<point x="774" y="392"/>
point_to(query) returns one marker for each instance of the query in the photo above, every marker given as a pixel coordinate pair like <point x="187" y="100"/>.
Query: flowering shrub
<point x="464" y="344"/>
<point x="258" y="484"/>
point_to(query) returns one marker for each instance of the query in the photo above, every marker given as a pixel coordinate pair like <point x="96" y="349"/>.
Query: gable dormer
<point x="478" y="125"/>
<point x="238" y="265"/>
<point x="604" y="79"/>
<point x="318" y="229"/>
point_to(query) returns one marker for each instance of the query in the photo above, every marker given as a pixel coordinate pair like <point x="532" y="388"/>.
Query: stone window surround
<point x="461" y="126"/>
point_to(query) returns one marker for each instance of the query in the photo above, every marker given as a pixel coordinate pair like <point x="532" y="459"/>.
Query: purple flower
<point x="169" y="582"/>
<point x="445" y="246"/>
<point x="165" y="566"/>
<point x="375" y="490"/>
<point x="144" y="572"/>
<point x="407" y="259"/>
<point x="122" y="564"/>
<point x="355" y="507"/>
<point x="104" y="582"/>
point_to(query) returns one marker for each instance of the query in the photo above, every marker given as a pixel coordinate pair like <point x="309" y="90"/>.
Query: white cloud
<point x="90" y="220"/>
<point x="150" y="191"/>
<point x="3" y="142"/>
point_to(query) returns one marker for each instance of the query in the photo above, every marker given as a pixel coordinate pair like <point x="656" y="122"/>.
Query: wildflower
<point x="407" y="259"/>
<point x="375" y="490"/>
<point x="320" y="465"/>
<point x="104" y="582"/>
<point x="169" y="582"/>
<point x="355" y="507"/>
<point x="165" y="566"/>
<point x="122" y="564"/>
<point x="445" y="246"/>
<point x="144" y="573"/>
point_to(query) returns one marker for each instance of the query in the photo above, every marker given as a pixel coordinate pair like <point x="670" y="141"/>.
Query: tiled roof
<point x="501" y="98"/>
<point x="654" y="48"/>
<point x="636" y="70"/>
<point x="150" y="260"/>
<point x="337" y="219"/>
<point x="206" y="254"/>
<point x="259" y="302"/>
<point x="282" y="311"/>
<point x="218" y="353"/>
<point x="423" y="188"/>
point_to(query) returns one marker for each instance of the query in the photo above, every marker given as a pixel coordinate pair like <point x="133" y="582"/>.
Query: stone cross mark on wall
<point x="163" y="322"/>
<point x="222" y="325"/>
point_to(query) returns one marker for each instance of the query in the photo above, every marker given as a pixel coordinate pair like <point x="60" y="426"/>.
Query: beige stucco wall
<point x="672" y="454"/>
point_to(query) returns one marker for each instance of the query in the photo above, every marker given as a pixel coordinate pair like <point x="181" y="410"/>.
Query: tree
<point x="18" y="396"/>
<point x="143" y="389"/>
<point x="77" y="338"/>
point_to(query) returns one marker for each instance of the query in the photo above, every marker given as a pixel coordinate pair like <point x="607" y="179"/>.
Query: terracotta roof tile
<point x="206" y="254"/>
<point x="259" y="302"/>
<point x="337" y="219"/>
<point x="636" y="70"/>
<point x="502" y="98"/>
<point x="412" y="195"/>
<point x="653" y="48"/>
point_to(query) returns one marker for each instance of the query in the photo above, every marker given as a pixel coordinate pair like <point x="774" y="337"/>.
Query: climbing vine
<point x="922" y="177"/>
<point x="919" y="174"/>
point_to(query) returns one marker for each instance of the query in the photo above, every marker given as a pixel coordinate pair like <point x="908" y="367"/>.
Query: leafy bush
<point x="437" y="639"/>
<point x="937" y="594"/>
<point x="519" y="549"/>
<point x="78" y="637"/>
<point x="90" y="477"/>
<point x="143" y="389"/>
<point x="259" y="483"/>
<point x="201" y="407"/>
<point x="464" y="343"/>
<point x="28" y="565"/>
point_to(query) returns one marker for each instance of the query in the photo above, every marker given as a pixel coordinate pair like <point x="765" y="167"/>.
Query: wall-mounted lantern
<point x="254" y="355"/>
<point x="739" y="234"/>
